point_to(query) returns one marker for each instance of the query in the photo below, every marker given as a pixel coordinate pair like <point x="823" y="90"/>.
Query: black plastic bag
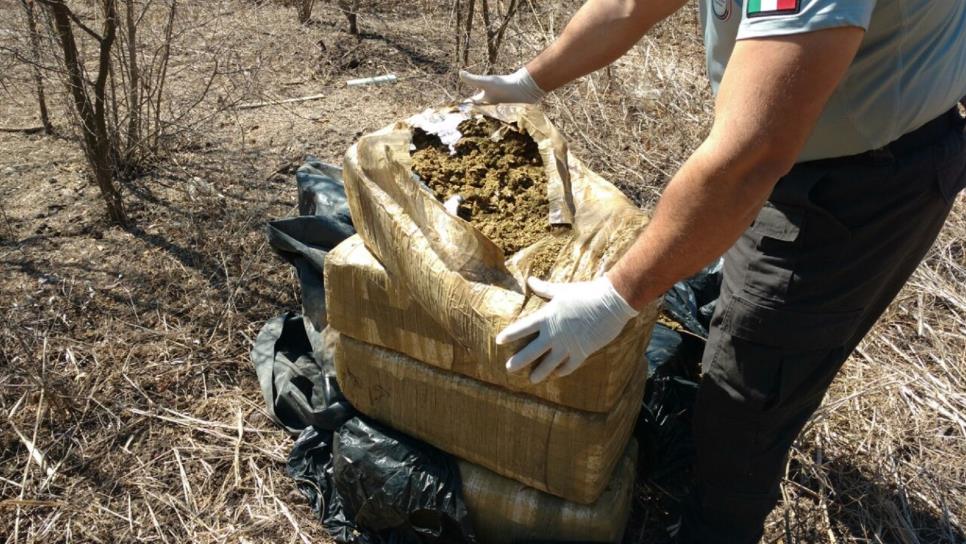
<point x="682" y="306"/>
<point x="399" y="487"/>
<point x="321" y="191"/>
<point x="674" y="352"/>
<point x="371" y="485"/>
<point x="298" y="391"/>
<point x="663" y="427"/>
<point x="691" y="302"/>
<point x="706" y="284"/>
<point x="310" y="465"/>
<point x="664" y="432"/>
<point x="304" y="241"/>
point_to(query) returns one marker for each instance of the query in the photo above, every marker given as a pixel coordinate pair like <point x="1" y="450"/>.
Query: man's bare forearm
<point x="767" y="105"/>
<point x="702" y="212"/>
<point x="599" y="33"/>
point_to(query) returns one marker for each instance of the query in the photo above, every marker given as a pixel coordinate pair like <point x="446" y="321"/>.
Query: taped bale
<point x="366" y="304"/>
<point x="504" y="511"/>
<point x="363" y="303"/>
<point x="565" y="452"/>
<point x="465" y="282"/>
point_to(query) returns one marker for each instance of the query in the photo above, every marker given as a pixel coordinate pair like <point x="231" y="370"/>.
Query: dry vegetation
<point x="130" y="410"/>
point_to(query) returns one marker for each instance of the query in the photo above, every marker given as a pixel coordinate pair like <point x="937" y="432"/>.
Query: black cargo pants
<point x="831" y="249"/>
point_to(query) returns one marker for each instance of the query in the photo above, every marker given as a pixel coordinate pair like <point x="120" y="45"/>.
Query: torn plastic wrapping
<point x="466" y="283"/>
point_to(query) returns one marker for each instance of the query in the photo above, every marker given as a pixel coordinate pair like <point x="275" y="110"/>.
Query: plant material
<point x="29" y="13"/>
<point x="90" y="101"/>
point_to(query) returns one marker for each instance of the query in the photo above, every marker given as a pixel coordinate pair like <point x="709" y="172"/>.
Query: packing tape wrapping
<point x="565" y="452"/>
<point x="504" y="511"/>
<point x="365" y="303"/>
<point x="461" y="279"/>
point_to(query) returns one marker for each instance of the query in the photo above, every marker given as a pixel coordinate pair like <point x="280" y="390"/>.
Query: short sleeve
<point x="764" y="18"/>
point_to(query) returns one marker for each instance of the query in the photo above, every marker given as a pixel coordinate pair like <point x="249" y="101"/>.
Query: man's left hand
<point x="579" y="319"/>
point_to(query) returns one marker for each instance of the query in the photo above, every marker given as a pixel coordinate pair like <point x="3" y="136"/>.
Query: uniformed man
<point x="837" y="138"/>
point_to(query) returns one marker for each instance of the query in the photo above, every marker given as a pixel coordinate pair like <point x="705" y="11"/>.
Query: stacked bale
<point x="420" y="294"/>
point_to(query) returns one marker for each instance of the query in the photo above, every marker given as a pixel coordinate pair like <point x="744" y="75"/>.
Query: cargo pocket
<point x="769" y="247"/>
<point x="772" y="358"/>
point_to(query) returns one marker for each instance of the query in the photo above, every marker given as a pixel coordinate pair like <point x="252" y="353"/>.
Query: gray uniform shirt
<point x="910" y="68"/>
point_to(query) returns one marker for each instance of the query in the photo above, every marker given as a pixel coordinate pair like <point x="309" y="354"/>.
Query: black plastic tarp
<point x="304" y="241"/>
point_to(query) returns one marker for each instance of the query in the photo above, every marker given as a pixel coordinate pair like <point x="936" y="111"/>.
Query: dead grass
<point x="884" y="460"/>
<point x="130" y="411"/>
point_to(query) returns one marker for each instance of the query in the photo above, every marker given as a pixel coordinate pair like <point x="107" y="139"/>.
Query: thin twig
<point x="254" y="105"/>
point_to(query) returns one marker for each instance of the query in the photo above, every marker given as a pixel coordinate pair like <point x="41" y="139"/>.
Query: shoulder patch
<point x="765" y="8"/>
<point x="722" y="9"/>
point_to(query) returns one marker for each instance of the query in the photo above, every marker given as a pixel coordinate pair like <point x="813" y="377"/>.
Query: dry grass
<point x="130" y="411"/>
<point x="884" y="460"/>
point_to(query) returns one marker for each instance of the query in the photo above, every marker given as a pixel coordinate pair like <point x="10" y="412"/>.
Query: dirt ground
<point x="130" y="408"/>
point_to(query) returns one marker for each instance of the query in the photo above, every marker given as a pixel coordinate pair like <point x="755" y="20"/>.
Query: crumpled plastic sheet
<point x="391" y="482"/>
<point x="664" y="425"/>
<point x="310" y="465"/>
<point x="371" y="485"/>
<point x="691" y="302"/>
<point x="298" y="391"/>
<point x="304" y="241"/>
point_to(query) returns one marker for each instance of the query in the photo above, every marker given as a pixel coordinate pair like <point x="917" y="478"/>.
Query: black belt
<point x="929" y="133"/>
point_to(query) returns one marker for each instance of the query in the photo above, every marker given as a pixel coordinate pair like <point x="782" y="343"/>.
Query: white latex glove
<point x="511" y="88"/>
<point x="580" y="319"/>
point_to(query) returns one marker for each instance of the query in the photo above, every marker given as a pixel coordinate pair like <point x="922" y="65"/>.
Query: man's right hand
<point x="517" y="87"/>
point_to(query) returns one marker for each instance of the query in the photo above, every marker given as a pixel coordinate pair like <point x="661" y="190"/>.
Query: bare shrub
<point x="121" y="108"/>
<point x="304" y="8"/>
<point x="351" y="8"/>
<point x="90" y="99"/>
<point x="496" y="17"/>
<point x="31" y="22"/>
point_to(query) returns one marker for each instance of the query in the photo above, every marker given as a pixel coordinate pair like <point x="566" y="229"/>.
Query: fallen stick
<point x="25" y="130"/>
<point x="253" y="105"/>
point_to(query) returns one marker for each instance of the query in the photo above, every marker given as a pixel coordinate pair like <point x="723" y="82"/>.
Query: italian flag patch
<point x="762" y="8"/>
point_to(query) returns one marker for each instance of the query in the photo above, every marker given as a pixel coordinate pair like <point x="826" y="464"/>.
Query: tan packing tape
<point x="565" y="452"/>
<point x="504" y="511"/>
<point x="363" y="302"/>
